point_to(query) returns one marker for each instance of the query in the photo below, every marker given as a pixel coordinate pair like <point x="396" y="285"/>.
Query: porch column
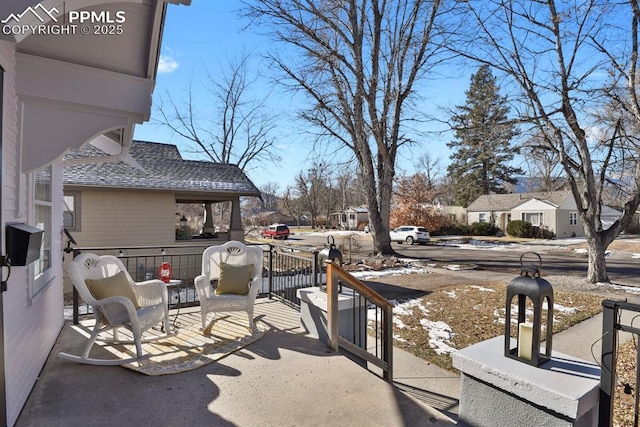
<point x="208" y="227"/>
<point x="236" y="231"/>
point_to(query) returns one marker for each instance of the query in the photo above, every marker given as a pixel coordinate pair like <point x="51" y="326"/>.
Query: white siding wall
<point x="30" y="326"/>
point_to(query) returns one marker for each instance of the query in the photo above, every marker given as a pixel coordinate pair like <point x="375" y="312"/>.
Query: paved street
<point x="622" y="267"/>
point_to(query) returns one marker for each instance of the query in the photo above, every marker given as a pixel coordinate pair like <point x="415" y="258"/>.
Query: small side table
<point x="174" y="287"/>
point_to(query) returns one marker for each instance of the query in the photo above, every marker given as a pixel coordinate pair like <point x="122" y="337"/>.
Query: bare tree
<point x="431" y="168"/>
<point x="358" y="63"/>
<point x="311" y="186"/>
<point x="239" y="130"/>
<point x="567" y="60"/>
<point x="292" y="205"/>
<point x="544" y="165"/>
<point x="269" y="194"/>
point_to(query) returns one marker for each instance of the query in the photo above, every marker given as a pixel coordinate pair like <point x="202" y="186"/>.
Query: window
<point x="482" y="217"/>
<point x="573" y="218"/>
<point x="42" y="207"/>
<point x="534" y="218"/>
<point x="71" y="213"/>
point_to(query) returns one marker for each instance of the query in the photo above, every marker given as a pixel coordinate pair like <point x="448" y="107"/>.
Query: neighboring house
<point x="457" y="214"/>
<point x="59" y="90"/>
<point x="128" y="201"/>
<point x="274" y="217"/>
<point x="550" y="210"/>
<point x="352" y="218"/>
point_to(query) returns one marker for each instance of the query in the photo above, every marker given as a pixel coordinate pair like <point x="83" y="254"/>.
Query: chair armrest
<point x="203" y="286"/>
<point x="254" y="286"/>
<point x="116" y="309"/>
<point x="151" y="292"/>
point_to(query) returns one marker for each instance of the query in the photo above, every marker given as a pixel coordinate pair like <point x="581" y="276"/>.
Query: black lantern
<point x="528" y="334"/>
<point x="330" y="252"/>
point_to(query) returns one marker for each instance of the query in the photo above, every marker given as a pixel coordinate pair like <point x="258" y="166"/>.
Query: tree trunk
<point x="597" y="272"/>
<point x="377" y="222"/>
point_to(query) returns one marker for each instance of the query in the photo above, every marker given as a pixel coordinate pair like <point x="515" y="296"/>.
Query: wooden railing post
<point x="332" y="306"/>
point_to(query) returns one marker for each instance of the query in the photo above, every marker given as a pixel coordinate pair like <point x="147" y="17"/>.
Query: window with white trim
<point x="70" y="211"/>
<point x="535" y="218"/>
<point x="42" y="209"/>
<point x="482" y="217"/>
<point x="573" y="218"/>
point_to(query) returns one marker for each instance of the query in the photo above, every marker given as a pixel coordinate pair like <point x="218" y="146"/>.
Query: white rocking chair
<point x="114" y="312"/>
<point x="236" y="254"/>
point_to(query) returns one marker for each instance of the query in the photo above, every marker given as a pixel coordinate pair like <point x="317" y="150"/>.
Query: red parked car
<point x="275" y="231"/>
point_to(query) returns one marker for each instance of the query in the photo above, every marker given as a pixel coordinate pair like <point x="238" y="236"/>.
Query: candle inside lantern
<point x="525" y="340"/>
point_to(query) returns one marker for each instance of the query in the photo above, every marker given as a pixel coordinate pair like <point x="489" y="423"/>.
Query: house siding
<point x="126" y="218"/>
<point x="548" y="211"/>
<point x="31" y="326"/>
<point x="117" y="218"/>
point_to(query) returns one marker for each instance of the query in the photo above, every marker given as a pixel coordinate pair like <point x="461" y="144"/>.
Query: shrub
<point x="519" y="228"/>
<point x="483" y="229"/>
<point x="451" y="230"/>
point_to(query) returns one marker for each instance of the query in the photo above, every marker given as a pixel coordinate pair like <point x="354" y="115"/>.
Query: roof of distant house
<point x="506" y="202"/>
<point x="157" y="166"/>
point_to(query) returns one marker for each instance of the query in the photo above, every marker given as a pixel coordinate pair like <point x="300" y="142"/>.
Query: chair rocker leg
<point x="206" y="327"/>
<point x="99" y="362"/>
<point x="85" y="359"/>
<point x="251" y="324"/>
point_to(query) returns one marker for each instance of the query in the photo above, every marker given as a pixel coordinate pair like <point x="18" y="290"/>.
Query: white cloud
<point x="167" y="65"/>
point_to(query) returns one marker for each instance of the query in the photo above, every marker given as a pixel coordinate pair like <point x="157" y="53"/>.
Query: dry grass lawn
<point x="473" y="313"/>
<point x="623" y="403"/>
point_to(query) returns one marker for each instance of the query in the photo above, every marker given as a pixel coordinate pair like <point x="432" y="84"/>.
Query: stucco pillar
<point x="236" y="232"/>
<point x="208" y="227"/>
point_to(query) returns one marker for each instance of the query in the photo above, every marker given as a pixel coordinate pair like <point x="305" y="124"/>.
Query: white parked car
<point x="410" y="234"/>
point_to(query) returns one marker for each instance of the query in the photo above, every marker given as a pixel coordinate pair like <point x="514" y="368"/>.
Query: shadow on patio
<point x="285" y="378"/>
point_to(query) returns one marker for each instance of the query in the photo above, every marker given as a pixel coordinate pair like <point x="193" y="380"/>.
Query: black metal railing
<point x="287" y="269"/>
<point x="611" y="324"/>
<point x="143" y="263"/>
<point x="368" y="316"/>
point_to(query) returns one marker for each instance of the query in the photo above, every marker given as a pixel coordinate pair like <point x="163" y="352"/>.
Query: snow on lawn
<point x="583" y="251"/>
<point x="482" y="289"/>
<point x="439" y="335"/>
<point x="367" y="275"/>
<point x="439" y="332"/>
<point x="501" y="312"/>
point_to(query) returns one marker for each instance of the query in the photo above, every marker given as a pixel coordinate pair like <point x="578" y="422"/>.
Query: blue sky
<point x="207" y="33"/>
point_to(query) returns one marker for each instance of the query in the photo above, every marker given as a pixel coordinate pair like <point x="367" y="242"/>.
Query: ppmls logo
<point x="39" y="11"/>
<point x="74" y="22"/>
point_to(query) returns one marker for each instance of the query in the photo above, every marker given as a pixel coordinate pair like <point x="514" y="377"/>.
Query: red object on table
<point x="165" y="272"/>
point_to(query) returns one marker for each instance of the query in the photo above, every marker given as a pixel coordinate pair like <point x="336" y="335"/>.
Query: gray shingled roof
<point x="162" y="169"/>
<point x="506" y="202"/>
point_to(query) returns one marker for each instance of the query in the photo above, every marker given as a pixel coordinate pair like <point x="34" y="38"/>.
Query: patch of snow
<point x="365" y="275"/>
<point x="480" y="288"/>
<point x="439" y="335"/>
<point x="452" y="294"/>
<point x="399" y="339"/>
<point x="405" y="308"/>
<point x="399" y="323"/>
<point x="68" y="311"/>
<point x="628" y="289"/>
<point x="580" y="251"/>
<point x="636" y="256"/>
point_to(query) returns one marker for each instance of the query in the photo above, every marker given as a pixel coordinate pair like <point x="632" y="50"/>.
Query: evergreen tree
<point x="482" y="151"/>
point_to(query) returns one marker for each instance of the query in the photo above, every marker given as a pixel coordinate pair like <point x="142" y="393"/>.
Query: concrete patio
<point x="285" y="378"/>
